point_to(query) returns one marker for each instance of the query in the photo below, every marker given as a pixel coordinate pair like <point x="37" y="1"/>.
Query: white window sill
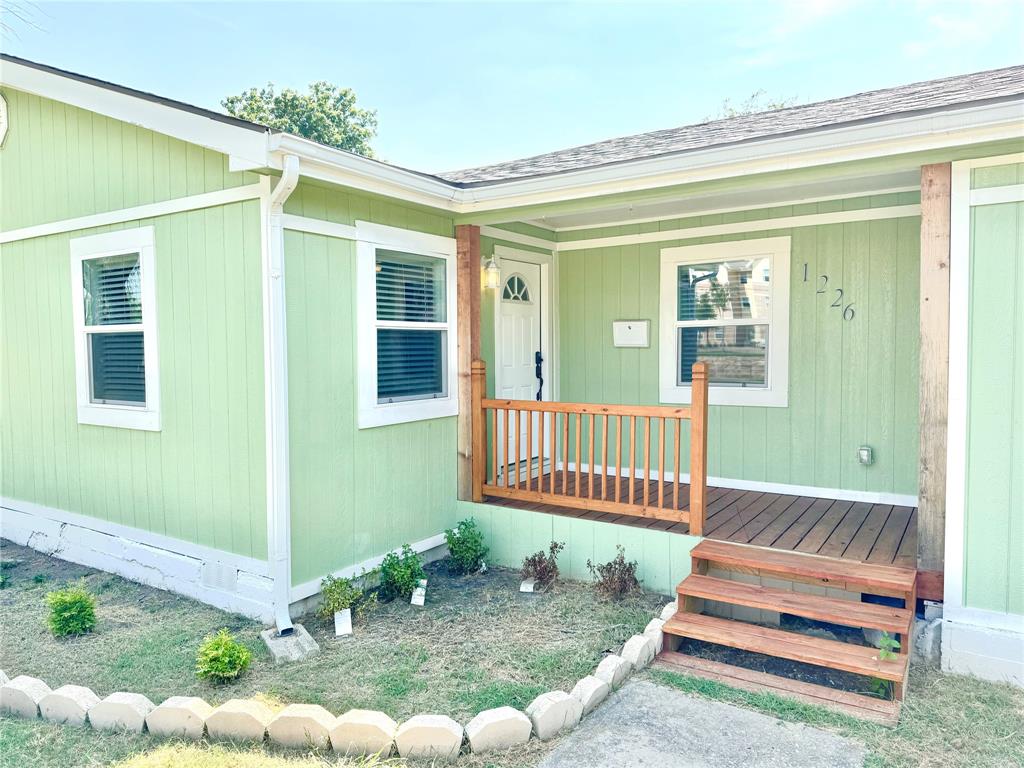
<point x="114" y="416"/>
<point x="768" y="398"/>
<point x="404" y="412"/>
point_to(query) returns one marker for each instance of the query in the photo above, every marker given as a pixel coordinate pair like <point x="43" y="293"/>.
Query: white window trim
<point x="370" y="237"/>
<point x="142" y="241"/>
<point x="776" y="394"/>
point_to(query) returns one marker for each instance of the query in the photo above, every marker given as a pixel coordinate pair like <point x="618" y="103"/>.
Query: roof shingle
<point x="871" y="105"/>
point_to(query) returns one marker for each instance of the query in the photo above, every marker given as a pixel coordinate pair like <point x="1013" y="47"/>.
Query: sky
<point x="463" y="84"/>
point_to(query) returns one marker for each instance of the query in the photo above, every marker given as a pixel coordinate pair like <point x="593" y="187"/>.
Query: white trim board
<point x="138" y="212"/>
<point x="225" y="580"/>
<point x="753" y="205"/>
<point x="961" y="202"/>
<point x="1013" y="193"/>
<point x="785" y="489"/>
<point x="741" y="227"/>
<point x="318" y="227"/>
<point x="312" y="587"/>
<point x="496" y="233"/>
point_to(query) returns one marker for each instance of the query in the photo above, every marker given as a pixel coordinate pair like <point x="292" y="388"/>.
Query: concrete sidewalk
<point x="644" y="725"/>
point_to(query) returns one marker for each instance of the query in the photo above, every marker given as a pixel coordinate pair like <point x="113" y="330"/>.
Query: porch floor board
<point x="883" y="534"/>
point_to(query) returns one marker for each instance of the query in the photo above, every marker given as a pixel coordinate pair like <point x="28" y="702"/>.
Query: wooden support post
<point x="479" y="454"/>
<point x="467" y="240"/>
<point x="698" y="447"/>
<point x="934" y="365"/>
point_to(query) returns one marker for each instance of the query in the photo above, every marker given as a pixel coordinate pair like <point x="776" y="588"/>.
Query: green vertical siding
<point x="201" y="478"/>
<point x="994" y="504"/>
<point x="61" y="162"/>
<point x="663" y="558"/>
<point x="355" y="493"/>
<point x="850" y="383"/>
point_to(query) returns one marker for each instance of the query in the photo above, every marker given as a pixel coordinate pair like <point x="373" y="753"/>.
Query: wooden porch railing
<point x="624" y="447"/>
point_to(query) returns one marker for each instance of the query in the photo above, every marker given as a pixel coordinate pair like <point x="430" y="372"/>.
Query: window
<point x="713" y="310"/>
<point x="516" y="289"/>
<point x="113" y="294"/>
<point x="406" y="307"/>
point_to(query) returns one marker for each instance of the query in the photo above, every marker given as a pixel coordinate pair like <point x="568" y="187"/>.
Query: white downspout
<point x="276" y="386"/>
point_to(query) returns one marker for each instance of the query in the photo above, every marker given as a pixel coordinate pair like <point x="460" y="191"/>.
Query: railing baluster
<point x="661" y="463"/>
<point x="604" y="457"/>
<point x="565" y="453"/>
<point x="675" y="471"/>
<point x="519" y="450"/>
<point x="579" y="449"/>
<point x="529" y="449"/>
<point x="590" y="459"/>
<point x="618" y="457"/>
<point x="504" y="449"/>
<point x="632" y="459"/>
<point x="551" y="453"/>
<point x="647" y="463"/>
<point x="494" y="446"/>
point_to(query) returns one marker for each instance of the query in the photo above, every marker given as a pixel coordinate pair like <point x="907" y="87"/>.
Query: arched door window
<point x="516" y="289"/>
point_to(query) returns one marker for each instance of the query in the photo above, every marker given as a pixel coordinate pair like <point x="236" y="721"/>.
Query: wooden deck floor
<point x="873" y="533"/>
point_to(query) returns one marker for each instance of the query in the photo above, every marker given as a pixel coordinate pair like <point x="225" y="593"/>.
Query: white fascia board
<point x="345" y="168"/>
<point x="940" y="130"/>
<point x="244" y="143"/>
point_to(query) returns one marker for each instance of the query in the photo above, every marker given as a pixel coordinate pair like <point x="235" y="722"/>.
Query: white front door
<point x="521" y="348"/>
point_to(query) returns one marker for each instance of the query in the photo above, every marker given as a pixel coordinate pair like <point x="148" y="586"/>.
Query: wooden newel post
<point x="479" y="452"/>
<point x="698" y="447"/>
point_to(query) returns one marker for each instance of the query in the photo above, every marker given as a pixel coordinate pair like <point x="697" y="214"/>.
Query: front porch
<point x="881" y="534"/>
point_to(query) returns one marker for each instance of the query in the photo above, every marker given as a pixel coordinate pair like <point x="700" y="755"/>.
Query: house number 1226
<point x="847" y="310"/>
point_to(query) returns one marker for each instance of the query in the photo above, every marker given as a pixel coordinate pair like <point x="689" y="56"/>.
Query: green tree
<point x="326" y="113"/>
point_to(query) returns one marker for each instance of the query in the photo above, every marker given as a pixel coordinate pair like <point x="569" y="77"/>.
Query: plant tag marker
<point x="343" y="622"/>
<point x="419" y="595"/>
<point x="527" y="585"/>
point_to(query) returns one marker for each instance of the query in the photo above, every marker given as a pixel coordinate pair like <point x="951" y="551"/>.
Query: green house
<point x="235" y="361"/>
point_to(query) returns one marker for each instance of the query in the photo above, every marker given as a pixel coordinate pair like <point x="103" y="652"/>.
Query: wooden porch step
<point x="853" y="704"/>
<point x="835" y="611"/>
<point x="794" y="646"/>
<point x="887" y="578"/>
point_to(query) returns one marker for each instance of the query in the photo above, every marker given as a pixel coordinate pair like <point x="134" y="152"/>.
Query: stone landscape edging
<point x="353" y="733"/>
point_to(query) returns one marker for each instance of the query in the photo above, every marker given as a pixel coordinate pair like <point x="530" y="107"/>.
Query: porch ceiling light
<point x="492" y="274"/>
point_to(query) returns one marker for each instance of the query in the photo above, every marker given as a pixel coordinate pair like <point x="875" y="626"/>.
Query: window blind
<point x="113" y="296"/>
<point x="113" y="290"/>
<point x="410" y="289"/>
<point x="118" y="368"/>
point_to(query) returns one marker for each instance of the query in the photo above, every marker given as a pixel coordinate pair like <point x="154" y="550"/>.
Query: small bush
<point x="400" y="574"/>
<point x="222" y="658"/>
<point x="466" y="547"/>
<point x="542" y="566"/>
<point x="616" y="578"/>
<point x="72" y="610"/>
<point x="336" y="594"/>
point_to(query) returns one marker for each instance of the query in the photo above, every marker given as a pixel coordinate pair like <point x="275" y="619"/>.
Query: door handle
<point x="539" y="373"/>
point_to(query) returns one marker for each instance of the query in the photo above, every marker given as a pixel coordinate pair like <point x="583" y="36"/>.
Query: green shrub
<point x="542" y="566"/>
<point x="616" y="578"/>
<point x="72" y="610"/>
<point x="222" y="658"/>
<point x="466" y="547"/>
<point x="400" y="574"/>
<point x="336" y="594"/>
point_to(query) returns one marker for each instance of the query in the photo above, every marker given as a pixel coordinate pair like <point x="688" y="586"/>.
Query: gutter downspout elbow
<point x="278" y="483"/>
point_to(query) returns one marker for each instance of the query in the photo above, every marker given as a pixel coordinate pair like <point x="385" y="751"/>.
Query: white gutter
<point x="275" y="352"/>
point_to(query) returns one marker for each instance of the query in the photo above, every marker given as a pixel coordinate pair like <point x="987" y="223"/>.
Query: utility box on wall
<point x="631" y="333"/>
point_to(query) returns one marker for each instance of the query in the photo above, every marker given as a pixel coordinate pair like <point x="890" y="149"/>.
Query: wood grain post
<point x="479" y="453"/>
<point x="467" y="240"/>
<point x="934" y="365"/>
<point x="698" y="447"/>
